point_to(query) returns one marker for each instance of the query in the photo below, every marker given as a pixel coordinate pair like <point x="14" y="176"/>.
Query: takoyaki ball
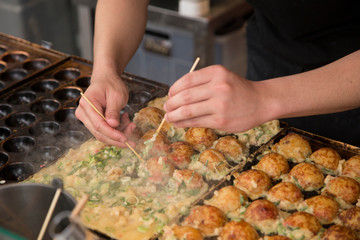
<point x="307" y="176"/>
<point x="232" y="148"/>
<point x="325" y="208"/>
<point x="238" y="231"/>
<point x="200" y="138"/>
<point x="254" y="183"/>
<point x="190" y="178"/>
<point x="158" y="102"/>
<point x="262" y="214"/>
<point x="336" y="232"/>
<point x="342" y="188"/>
<point x="213" y="159"/>
<point x="327" y="159"/>
<point x="351" y="167"/>
<point x="174" y="133"/>
<point x="148" y="118"/>
<point x="187" y="233"/>
<point x="180" y="154"/>
<point x="274" y="164"/>
<point x="302" y="223"/>
<point x="276" y="237"/>
<point x="160" y="170"/>
<point x="208" y="219"/>
<point x="293" y="147"/>
<point x="286" y="194"/>
<point x="150" y="146"/>
<point x="351" y="218"/>
<point x="228" y="199"/>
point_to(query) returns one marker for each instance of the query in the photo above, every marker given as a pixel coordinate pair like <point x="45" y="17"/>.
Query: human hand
<point x="215" y="97"/>
<point x="107" y="93"/>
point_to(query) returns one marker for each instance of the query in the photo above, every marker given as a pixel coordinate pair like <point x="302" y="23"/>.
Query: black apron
<point x="291" y="36"/>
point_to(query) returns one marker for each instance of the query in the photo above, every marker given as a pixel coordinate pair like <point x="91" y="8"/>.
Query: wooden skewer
<point x="49" y="213"/>
<point x="191" y="70"/>
<point x="126" y="143"/>
<point x="79" y="206"/>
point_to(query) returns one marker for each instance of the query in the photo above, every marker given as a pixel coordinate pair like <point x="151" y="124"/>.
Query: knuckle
<point x="96" y="126"/>
<point x="185" y="111"/>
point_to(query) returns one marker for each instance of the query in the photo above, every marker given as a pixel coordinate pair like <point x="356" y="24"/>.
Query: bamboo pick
<point x="191" y="70"/>
<point x="49" y="213"/>
<point x="126" y="143"/>
<point x="79" y="206"/>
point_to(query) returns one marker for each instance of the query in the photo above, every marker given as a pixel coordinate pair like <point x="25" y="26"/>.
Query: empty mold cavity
<point x="67" y="74"/>
<point x="45" y="128"/>
<point x="44" y="155"/>
<point x="67" y="93"/>
<point x="5" y="110"/>
<point x="19" y="144"/>
<point x="22" y="98"/>
<point x="45" y="106"/>
<point x="21" y="119"/>
<point x="66" y="114"/>
<point x="15" y="56"/>
<point x="2" y="66"/>
<point x="36" y="64"/>
<point x="4" y="133"/>
<point x="70" y="138"/>
<point x="16" y="172"/>
<point x="46" y="85"/>
<point x="3" y="49"/>
<point x="2" y="85"/>
<point x="16" y="74"/>
<point x="4" y="158"/>
<point x="139" y="97"/>
<point x="83" y="82"/>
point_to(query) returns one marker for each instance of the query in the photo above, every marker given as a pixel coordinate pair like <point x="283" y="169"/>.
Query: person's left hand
<point x="214" y="97"/>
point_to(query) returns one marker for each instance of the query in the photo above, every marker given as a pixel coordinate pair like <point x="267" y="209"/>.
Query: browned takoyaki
<point x="351" y="218"/>
<point x="200" y="138"/>
<point x="301" y="224"/>
<point x="351" y="168"/>
<point x="336" y="232"/>
<point x="254" y="183"/>
<point x="238" y="230"/>
<point x="345" y="190"/>
<point x="153" y="144"/>
<point x="274" y="164"/>
<point x="306" y="176"/>
<point x="286" y="195"/>
<point x="276" y="237"/>
<point x="148" y="118"/>
<point x="180" y="154"/>
<point x="264" y="215"/>
<point x="187" y="233"/>
<point x="157" y="170"/>
<point x="208" y="219"/>
<point x="325" y="208"/>
<point x="232" y="148"/>
<point x="293" y="147"/>
<point x="327" y="159"/>
<point x="228" y="199"/>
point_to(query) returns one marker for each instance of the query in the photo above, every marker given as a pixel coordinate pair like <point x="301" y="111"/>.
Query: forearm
<point x="119" y="27"/>
<point x="332" y="88"/>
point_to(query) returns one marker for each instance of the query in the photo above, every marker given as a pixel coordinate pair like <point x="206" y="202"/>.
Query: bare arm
<point x="217" y="98"/>
<point x="119" y="27"/>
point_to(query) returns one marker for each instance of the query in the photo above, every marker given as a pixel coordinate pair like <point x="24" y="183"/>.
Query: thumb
<point x="112" y="112"/>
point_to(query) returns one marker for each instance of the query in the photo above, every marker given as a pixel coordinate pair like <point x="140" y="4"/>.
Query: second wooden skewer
<point x="126" y="143"/>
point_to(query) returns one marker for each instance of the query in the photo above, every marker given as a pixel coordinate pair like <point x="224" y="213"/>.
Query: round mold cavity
<point x="22" y="98"/>
<point x="16" y="172"/>
<point x="44" y="155"/>
<point x="4" y="158"/>
<point x="2" y="85"/>
<point x="139" y="97"/>
<point x="4" y="133"/>
<point x="15" y="56"/>
<point x="66" y="114"/>
<point x="46" y="85"/>
<point x="67" y="93"/>
<point x="83" y="82"/>
<point x="45" y="128"/>
<point x="2" y="66"/>
<point x="36" y="64"/>
<point x="19" y="144"/>
<point x="67" y="74"/>
<point x="45" y="106"/>
<point x="5" y="110"/>
<point x="21" y="119"/>
<point x="16" y="74"/>
<point x="3" y="49"/>
<point x="70" y="138"/>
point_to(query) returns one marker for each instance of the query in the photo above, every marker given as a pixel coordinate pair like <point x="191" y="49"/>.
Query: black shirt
<point x="291" y="36"/>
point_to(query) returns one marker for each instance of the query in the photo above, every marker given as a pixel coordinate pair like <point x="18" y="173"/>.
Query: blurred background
<point x="174" y="35"/>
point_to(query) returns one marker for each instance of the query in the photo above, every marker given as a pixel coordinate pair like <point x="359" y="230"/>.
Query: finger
<point x="202" y="121"/>
<point x="188" y="81"/>
<point x="193" y="110"/>
<point x="114" y="104"/>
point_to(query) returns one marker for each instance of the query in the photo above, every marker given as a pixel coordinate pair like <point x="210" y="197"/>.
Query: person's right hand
<point x="109" y="95"/>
